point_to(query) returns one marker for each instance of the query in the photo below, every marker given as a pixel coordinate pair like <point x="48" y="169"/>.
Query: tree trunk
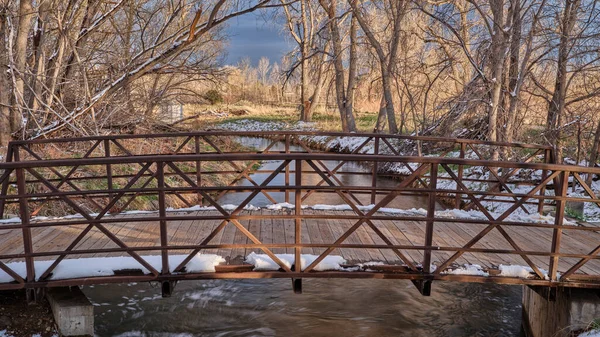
<point x="352" y="70"/>
<point x="386" y="63"/>
<point x="5" y="86"/>
<point x="26" y="15"/>
<point x="304" y="114"/>
<point x="338" y="62"/>
<point x="389" y="100"/>
<point x="497" y="71"/>
<point x="39" y="59"/>
<point x="556" y="106"/>
<point x="321" y="76"/>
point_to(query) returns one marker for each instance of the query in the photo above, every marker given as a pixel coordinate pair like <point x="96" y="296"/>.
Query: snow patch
<point x="263" y="262"/>
<point x="105" y="266"/>
<point x="516" y="271"/>
<point x="468" y="269"/>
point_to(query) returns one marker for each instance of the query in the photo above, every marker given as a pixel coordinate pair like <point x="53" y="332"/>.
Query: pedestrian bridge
<point x="206" y="205"/>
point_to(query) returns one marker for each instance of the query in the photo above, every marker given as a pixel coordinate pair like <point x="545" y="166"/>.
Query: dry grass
<point x="92" y="178"/>
<point x="323" y="119"/>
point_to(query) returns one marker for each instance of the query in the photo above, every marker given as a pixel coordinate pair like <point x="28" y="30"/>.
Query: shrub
<point x="214" y="96"/>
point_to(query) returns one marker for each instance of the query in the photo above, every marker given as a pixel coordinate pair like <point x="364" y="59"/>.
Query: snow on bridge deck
<point x="314" y="231"/>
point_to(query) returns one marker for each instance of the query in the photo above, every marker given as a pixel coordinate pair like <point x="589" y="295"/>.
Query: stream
<point x="327" y="307"/>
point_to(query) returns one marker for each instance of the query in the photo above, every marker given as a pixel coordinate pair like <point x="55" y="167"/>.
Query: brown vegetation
<point x="495" y="70"/>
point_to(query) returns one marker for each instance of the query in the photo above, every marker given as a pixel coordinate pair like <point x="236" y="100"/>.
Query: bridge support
<point x="423" y="286"/>
<point x="73" y="312"/>
<point x="167" y="288"/>
<point x="297" y="285"/>
<point x="558" y="311"/>
<point x="33" y="295"/>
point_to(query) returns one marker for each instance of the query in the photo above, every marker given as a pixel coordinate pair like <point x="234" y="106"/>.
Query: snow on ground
<point x="337" y="144"/>
<point x="105" y="266"/>
<point x="263" y="262"/>
<point x="594" y="333"/>
<point x="349" y="144"/>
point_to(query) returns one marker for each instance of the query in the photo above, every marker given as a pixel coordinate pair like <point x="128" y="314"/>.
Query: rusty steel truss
<point x="97" y="177"/>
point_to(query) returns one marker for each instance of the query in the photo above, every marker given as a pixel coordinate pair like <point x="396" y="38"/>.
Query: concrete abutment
<point x="73" y="312"/>
<point x="558" y="312"/>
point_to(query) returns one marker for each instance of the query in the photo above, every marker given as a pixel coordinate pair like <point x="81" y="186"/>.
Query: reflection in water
<point x="308" y="179"/>
<point x="337" y="307"/>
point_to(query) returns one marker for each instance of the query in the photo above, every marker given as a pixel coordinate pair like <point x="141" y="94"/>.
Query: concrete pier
<point x="558" y="312"/>
<point x="73" y="312"/>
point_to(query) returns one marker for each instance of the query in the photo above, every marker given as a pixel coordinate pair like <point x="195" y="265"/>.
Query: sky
<point x="253" y="36"/>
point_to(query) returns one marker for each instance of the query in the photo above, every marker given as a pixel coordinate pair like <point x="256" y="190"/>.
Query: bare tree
<point x="73" y="72"/>
<point x="344" y="91"/>
<point x="387" y="60"/>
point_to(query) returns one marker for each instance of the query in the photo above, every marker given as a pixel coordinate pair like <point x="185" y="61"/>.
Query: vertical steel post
<point x="109" y="178"/>
<point x="198" y="168"/>
<point x="374" y="173"/>
<point x="287" y="170"/>
<point x="430" y="218"/>
<point x="458" y="197"/>
<point x="298" y="213"/>
<point x="26" y="230"/>
<point x="160" y="176"/>
<point x="543" y="189"/>
<point x="558" y="221"/>
<point x="5" y="184"/>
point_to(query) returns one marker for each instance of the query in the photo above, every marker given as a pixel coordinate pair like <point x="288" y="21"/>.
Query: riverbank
<point x="324" y="120"/>
<point x="18" y="319"/>
<point x="121" y="174"/>
<point x="521" y="183"/>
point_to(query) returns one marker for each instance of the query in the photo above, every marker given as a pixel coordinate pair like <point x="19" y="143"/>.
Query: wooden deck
<point x="315" y="231"/>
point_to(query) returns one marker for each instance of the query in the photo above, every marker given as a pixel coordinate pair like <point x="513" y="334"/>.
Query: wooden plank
<point x="304" y="235"/>
<point x="541" y="240"/>
<point x="387" y="254"/>
<point x="364" y="234"/>
<point x="266" y="230"/>
<point x="402" y="239"/>
<point x="289" y="233"/>
<point x="448" y="238"/>
<point x="278" y="233"/>
<point x="255" y="227"/>
<point x="227" y="238"/>
<point x="337" y="231"/>
<point x="312" y="226"/>
<point x="240" y="238"/>
<point x="325" y="233"/>
<point x="177" y="230"/>
<point x="204" y="228"/>
<point x="361" y="254"/>
<point x="321" y="231"/>
<point x="463" y="237"/>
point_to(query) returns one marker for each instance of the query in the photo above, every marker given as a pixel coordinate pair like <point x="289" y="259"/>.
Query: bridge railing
<point x="317" y="141"/>
<point x="487" y="196"/>
<point x="212" y="142"/>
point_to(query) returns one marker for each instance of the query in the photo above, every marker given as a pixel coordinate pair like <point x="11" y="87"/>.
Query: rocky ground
<point x="19" y="319"/>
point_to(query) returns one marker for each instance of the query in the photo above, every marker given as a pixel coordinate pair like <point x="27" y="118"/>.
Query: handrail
<point x="292" y="156"/>
<point x="282" y="134"/>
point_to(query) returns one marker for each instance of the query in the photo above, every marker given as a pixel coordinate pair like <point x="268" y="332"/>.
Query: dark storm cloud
<point x="253" y="36"/>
